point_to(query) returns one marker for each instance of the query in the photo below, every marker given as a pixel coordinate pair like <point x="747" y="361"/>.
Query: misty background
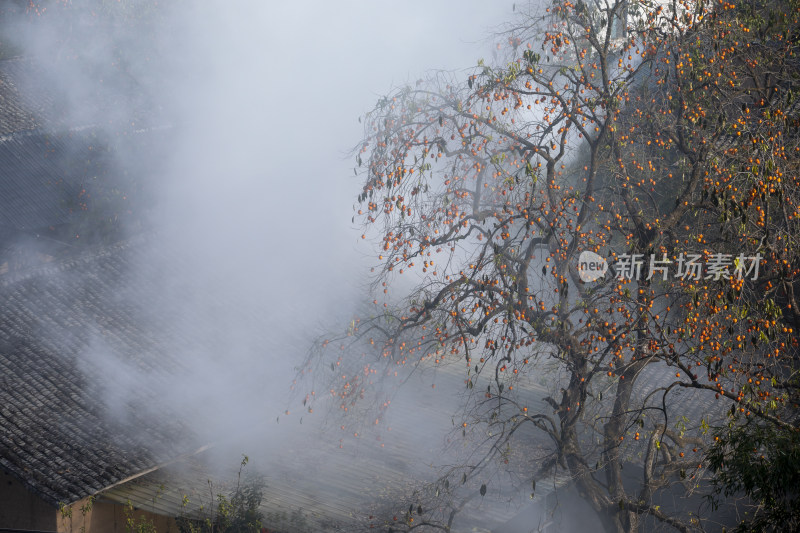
<point x="251" y="110"/>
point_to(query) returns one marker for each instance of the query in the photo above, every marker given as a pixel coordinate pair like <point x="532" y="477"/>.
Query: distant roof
<point x="58" y="434"/>
<point x="40" y="178"/>
<point x="51" y="156"/>
<point x="47" y="97"/>
<point x="16" y="112"/>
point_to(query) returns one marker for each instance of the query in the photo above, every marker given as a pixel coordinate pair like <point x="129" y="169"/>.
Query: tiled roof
<point x="37" y="96"/>
<point x="45" y="178"/>
<point x="40" y="177"/>
<point x="16" y="115"/>
<point x="51" y="157"/>
<point x="336" y="489"/>
<point x="58" y="434"/>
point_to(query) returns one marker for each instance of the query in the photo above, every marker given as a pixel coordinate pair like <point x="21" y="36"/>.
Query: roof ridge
<point x="90" y="255"/>
<point x="39" y="130"/>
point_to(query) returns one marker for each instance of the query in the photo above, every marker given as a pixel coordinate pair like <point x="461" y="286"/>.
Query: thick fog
<point x="250" y="250"/>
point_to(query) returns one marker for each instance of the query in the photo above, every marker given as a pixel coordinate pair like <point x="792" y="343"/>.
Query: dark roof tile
<point x="56" y="433"/>
<point x="15" y="115"/>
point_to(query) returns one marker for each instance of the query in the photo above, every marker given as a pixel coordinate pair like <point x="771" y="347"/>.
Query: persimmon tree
<point x="743" y="97"/>
<point x="659" y="137"/>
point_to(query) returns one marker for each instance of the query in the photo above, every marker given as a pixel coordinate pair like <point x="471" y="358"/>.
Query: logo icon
<point x="591" y="266"/>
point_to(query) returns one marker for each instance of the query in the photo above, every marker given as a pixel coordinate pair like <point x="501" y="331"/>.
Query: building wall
<point x="108" y="517"/>
<point x="20" y="509"/>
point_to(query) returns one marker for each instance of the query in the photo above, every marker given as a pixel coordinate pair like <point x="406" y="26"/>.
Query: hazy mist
<point x="250" y="252"/>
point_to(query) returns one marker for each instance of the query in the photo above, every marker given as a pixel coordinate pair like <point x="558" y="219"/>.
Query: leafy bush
<point x="236" y="512"/>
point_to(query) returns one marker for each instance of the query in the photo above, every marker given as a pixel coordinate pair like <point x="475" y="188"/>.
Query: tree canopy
<point x="610" y="205"/>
